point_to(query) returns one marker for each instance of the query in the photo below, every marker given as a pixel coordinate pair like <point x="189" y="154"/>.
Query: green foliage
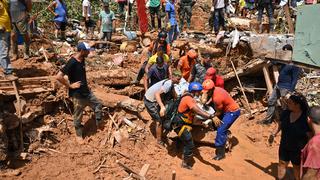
<point x="74" y="8"/>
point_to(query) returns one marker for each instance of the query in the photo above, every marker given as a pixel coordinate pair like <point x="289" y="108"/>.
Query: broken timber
<point x="251" y="67"/>
<point x="110" y="77"/>
<point x="28" y="85"/>
<point x="118" y="101"/>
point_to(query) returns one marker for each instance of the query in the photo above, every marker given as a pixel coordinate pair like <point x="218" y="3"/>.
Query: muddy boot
<point x="186" y="162"/>
<point x="260" y="28"/>
<point x="220" y="153"/>
<point x="26" y="54"/>
<point x="14" y="52"/>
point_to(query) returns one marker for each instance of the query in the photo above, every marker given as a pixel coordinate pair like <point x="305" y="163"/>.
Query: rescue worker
<point x="152" y="50"/>
<point x="217" y="79"/>
<point x="226" y="109"/>
<point x="185" y="12"/>
<point x="156" y="97"/>
<point x="183" y="121"/>
<point x="199" y="70"/>
<point x="186" y="62"/>
<point x="157" y="72"/>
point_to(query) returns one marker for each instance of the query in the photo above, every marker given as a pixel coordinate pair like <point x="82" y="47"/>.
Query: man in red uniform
<point x="226" y="109"/>
<point x="218" y="80"/>
<point x="310" y="157"/>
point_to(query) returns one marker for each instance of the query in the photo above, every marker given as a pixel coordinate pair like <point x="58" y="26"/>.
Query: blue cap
<point x="84" y="46"/>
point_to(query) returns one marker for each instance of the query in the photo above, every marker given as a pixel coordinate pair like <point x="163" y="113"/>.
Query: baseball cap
<point x="211" y="72"/>
<point x="84" y="46"/>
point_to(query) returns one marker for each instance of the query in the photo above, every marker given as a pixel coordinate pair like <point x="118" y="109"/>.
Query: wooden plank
<point x="144" y="170"/>
<point x="267" y="79"/>
<point x="288" y="18"/>
<point x="128" y="169"/>
<point x="275" y="73"/>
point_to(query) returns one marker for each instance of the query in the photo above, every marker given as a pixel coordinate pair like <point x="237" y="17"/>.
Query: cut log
<point x="267" y="79"/>
<point x="119" y="101"/>
<point x="110" y="77"/>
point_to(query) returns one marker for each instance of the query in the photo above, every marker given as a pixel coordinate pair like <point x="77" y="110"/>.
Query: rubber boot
<point x="271" y="28"/>
<point x="260" y="28"/>
<point x="26" y="54"/>
<point x="220" y="153"/>
<point x="186" y="162"/>
<point x="188" y="25"/>
<point x="79" y="131"/>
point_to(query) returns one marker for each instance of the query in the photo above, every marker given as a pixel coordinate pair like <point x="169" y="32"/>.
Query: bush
<point x="74" y="8"/>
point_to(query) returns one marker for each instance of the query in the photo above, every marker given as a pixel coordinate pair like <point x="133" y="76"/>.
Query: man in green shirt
<point x="154" y="9"/>
<point x="106" y="22"/>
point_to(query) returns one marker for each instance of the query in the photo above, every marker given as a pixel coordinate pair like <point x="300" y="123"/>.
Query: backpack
<point x="171" y="112"/>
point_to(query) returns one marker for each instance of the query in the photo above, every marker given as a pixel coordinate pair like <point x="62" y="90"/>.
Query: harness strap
<point x="183" y="128"/>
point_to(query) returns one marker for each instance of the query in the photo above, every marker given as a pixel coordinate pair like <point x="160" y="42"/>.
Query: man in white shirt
<point x="156" y="97"/>
<point x="86" y="13"/>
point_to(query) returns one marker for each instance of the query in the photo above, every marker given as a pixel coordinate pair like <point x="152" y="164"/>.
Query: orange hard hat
<point x="208" y="85"/>
<point x="192" y="54"/>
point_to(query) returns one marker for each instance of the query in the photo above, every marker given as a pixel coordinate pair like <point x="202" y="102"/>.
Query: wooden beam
<point x="275" y="73"/>
<point x="288" y="18"/>
<point x="267" y="79"/>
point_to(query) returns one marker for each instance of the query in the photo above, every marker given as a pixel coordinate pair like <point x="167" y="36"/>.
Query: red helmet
<point x="211" y="72"/>
<point x="192" y="54"/>
<point x="208" y="85"/>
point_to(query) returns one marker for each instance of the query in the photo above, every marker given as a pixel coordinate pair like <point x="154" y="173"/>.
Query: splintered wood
<point x="31" y="85"/>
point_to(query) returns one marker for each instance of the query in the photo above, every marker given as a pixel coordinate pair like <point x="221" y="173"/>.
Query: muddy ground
<point x="59" y="156"/>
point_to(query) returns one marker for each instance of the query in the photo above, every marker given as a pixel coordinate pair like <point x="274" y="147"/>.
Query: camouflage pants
<point x="185" y="14"/>
<point x="79" y="104"/>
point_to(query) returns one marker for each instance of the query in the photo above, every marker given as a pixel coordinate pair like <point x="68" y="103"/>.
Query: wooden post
<point x="267" y="79"/>
<point x="275" y="73"/>
<point x="288" y="18"/>
<point x="173" y="175"/>
<point x="19" y="112"/>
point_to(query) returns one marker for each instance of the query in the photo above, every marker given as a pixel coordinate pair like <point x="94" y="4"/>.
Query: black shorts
<point x="153" y="109"/>
<point x="154" y="10"/>
<point x="61" y="25"/>
<point x="90" y="23"/>
<point x="290" y="156"/>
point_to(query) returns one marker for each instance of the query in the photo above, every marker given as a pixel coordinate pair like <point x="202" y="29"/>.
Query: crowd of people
<point x="177" y="96"/>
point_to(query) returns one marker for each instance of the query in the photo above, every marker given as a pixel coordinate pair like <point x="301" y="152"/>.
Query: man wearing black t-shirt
<point x="78" y="87"/>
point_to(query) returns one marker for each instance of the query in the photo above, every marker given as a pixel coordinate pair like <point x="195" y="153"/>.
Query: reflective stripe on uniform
<point x="182" y="129"/>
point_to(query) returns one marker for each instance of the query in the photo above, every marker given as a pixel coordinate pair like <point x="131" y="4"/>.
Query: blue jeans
<point x="268" y="7"/>
<point x="173" y="34"/>
<point x="4" y="52"/>
<point x="272" y="101"/>
<point x="218" y="19"/>
<point x="228" y="119"/>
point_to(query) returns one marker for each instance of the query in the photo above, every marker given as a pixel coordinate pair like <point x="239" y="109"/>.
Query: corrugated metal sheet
<point x="307" y="36"/>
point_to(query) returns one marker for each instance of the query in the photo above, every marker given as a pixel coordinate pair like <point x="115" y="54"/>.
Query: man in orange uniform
<point x="187" y="62"/>
<point x="184" y="119"/>
<point x="226" y="109"/>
